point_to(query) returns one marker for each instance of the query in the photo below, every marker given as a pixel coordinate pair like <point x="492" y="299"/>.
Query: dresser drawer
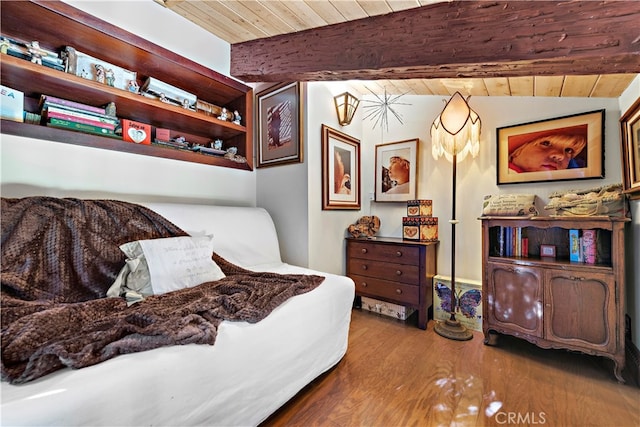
<point x="384" y="289"/>
<point x="392" y="253"/>
<point x="392" y="271"/>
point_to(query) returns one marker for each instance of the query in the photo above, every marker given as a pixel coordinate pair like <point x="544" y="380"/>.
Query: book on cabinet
<point x="59" y="25"/>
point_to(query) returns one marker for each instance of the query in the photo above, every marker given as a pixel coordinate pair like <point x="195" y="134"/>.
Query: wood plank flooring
<point x="395" y="374"/>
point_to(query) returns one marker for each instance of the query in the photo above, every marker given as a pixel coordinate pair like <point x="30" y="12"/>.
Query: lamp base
<point x="453" y="330"/>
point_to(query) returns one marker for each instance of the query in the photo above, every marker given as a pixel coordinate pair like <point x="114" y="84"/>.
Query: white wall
<point x="41" y="167"/>
<point x="477" y="177"/>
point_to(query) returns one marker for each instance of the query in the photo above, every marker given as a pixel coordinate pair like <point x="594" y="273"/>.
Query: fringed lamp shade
<point x="456" y="131"/>
<point x="346" y="106"/>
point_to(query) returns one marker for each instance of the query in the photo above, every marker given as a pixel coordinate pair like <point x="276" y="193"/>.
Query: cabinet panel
<point x="515" y="299"/>
<point x="579" y="308"/>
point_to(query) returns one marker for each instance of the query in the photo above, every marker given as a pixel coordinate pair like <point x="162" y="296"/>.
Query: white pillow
<point x="157" y="266"/>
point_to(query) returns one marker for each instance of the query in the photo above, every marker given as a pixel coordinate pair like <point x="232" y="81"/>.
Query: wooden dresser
<point x="394" y="270"/>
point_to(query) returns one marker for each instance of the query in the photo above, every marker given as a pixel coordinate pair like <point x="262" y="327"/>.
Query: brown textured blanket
<point x="59" y="257"/>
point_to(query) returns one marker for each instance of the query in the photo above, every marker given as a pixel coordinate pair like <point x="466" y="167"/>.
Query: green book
<point x="82" y="127"/>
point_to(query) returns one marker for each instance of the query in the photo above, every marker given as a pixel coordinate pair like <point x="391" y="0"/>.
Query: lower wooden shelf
<point x="87" y="140"/>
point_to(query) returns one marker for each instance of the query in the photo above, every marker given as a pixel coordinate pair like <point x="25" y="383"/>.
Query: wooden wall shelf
<point x="60" y="25"/>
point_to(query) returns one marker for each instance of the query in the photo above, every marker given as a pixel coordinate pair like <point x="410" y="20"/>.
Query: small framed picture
<point x="396" y="171"/>
<point x="548" y="251"/>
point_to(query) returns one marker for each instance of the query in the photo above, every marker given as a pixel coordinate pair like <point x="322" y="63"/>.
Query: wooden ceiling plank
<point x="548" y="85"/>
<point x="611" y="85"/>
<point x="466" y="87"/>
<point x="398" y="5"/>
<point x="578" y="86"/>
<point x="374" y="7"/>
<point x="225" y="29"/>
<point x="327" y="11"/>
<point x="498" y="86"/>
<point x="350" y="9"/>
<point x="259" y="16"/>
<point x="434" y="42"/>
<point x="521" y="86"/>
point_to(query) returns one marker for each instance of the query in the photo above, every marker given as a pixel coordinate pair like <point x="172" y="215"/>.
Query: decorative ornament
<point x="381" y="108"/>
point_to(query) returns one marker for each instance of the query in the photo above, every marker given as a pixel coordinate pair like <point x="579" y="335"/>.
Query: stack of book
<point x="71" y="115"/>
<point x="512" y="242"/>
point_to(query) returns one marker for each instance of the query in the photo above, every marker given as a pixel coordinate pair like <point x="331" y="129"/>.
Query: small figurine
<point x="185" y="104"/>
<point x="4" y="45"/>
<point x="132" y="86"/>
<point x="224" y="115"/>
<point x="110" y="109"/>
<point x="36" y="52"/>
<point x="110" y="77"/>
<point x="236" y="117"/>
<point x="100" y="74"/>
<point x="164" y="99"/>
<point x="217" y="144"/>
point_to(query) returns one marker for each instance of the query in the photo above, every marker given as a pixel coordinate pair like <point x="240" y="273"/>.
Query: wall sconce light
<point x="454" y="134"/>
<point x="346" y="106"/>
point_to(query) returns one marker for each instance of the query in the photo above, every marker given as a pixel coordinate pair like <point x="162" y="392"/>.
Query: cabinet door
<point x="580" y="309"/>
<point x="514" y="299"/>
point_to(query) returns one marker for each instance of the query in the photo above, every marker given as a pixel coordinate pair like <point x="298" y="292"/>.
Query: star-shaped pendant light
<point x="381" y="108"/>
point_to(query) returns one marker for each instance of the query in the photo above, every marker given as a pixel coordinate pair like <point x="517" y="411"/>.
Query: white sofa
<point x="249" y="372"/>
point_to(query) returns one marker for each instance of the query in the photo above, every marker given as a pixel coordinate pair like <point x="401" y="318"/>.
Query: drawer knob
<point x="364" y="266"/>
<point x="364" y="250"/>
<point x="364" y="284"/>
<point x="398" y="291"/>
<point x="398" y="273"/>
<point x="398" y="253"/>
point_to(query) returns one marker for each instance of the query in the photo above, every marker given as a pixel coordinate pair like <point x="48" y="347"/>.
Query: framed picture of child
<point x="559" y="149"/>
<point x="396" y="171"/>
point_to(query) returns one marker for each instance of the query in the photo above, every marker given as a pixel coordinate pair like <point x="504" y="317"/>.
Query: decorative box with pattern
<point x="422" y="228"/>
<point x="468" y="301"/>
<point x="419" y="208"/>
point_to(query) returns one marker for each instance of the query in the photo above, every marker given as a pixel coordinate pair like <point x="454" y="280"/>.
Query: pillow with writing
<point x="157" y="266"/>
<point x="509" y="205"/>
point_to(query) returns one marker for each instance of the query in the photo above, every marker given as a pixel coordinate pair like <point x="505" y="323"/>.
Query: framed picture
<point x="279" y="124"/>
<point x="630" y="131"/>
<point x="564" y="148"/>
<point x="548" y="251"/>
<point x="340" y="170"/>
<point x="396" y="171"/>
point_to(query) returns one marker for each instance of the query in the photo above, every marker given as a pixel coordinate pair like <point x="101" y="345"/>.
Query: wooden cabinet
<point x="56" y="25"/>
<point x="552" y="301"/>
<point x="394" y="270"/>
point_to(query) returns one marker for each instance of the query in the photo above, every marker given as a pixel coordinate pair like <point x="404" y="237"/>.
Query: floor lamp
<point x="454" y="134"/>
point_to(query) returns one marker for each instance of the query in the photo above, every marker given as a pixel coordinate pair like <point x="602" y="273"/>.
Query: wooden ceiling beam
<point x="453" y="40"/>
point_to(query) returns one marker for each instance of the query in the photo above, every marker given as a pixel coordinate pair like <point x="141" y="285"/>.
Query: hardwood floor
<point x="395" y="374"/>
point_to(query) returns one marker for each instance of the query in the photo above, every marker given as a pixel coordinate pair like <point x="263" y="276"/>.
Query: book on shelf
<point x="48" y="99"/>
<point x="48" y="114"/>
<point x="11" y="104"/>
<point x="68" y="124"/>
<point x="50" y="108"/>
<point x="575" y="246"/>
<point x="589" y="246"/>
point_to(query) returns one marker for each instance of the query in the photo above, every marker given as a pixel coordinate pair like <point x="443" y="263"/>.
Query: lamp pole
<point x="452" y="328"/>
